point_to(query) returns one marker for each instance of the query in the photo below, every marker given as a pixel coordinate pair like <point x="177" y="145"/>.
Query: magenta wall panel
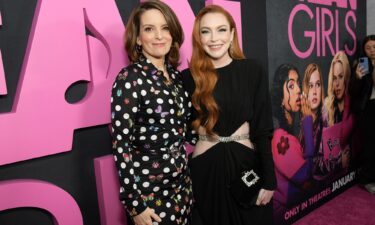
<point x="111" y="209"/>
<point x="3" y="86"/>
<point x="59" y="54"/>
<point x="39" y="194"/>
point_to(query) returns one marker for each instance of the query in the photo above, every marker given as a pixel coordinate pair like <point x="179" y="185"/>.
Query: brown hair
<point x="133" y="30"/>
<point x="204" y="74"/>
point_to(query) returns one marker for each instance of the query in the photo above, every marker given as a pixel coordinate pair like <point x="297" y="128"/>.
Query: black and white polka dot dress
<point x="149" y="131"/>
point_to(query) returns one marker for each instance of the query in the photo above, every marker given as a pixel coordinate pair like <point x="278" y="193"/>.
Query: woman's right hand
<point x="264" y="197"/>
<point x="359" y="72"/>
<point x="305" y="107"/>
<point x="146" y="217"/>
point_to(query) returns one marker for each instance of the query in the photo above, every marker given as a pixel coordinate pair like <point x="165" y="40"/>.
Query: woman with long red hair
<point x="234" y="121"/>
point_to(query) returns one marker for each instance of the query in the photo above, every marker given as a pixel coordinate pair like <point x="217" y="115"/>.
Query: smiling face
<point x="292" y="91"/>
<point x="315" y="91"/>
<point x="216" y="37"/>
<point x="338" y="81"/>
<point x="154" y="35"/>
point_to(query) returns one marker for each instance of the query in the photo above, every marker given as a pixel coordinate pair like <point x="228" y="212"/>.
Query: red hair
<point x="204" y="73"/>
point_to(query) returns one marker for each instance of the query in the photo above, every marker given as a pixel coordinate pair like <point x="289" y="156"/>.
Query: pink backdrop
<point x="59" y="54"/>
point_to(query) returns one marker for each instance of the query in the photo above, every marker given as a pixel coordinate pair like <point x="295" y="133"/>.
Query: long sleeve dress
<point x="242" y="95"/>
<point x="149" y="127"/>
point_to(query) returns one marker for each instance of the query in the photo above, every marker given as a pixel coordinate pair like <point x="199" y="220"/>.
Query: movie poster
<point x="311" y="48"/>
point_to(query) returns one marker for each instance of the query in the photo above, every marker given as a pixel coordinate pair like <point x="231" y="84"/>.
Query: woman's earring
<point x="138" y="48"/>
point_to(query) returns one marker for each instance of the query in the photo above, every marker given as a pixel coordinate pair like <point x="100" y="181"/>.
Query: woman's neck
<point x="159" y="64"/>
<point x="341" y="104"/>
<point x="288" y="117"/>
<point x="218" y="63"/>
<point x="315" y="113"/>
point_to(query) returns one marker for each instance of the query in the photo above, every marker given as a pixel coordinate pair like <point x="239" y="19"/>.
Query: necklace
<point x="175" y="92"/>
<point x="174" y="88"/>
<point x="165" y="74"/>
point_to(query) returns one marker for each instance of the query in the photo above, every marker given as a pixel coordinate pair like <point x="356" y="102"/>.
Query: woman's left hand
<point x="264" y="197"/>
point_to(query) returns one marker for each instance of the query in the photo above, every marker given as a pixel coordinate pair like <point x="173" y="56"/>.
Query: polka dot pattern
<point x="149" y="122"/>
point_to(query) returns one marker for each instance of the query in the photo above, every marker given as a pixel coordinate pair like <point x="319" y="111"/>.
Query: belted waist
<point x="215" y="138"/>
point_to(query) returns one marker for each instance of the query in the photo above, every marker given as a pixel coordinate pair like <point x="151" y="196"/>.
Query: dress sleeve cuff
<point x="135" y="207"/>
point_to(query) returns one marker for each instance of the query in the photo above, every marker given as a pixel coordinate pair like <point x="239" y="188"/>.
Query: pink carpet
<point x="355" y="206"/>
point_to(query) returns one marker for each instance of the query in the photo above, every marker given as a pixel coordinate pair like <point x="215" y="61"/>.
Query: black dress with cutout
<point x="242" y="95"/>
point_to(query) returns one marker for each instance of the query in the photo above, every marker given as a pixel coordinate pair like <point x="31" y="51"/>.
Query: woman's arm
<point x="261" y="125"/>
<point x="188" y="83"/>
<point x="124" y="107"/>
<point x="292" y="160"/>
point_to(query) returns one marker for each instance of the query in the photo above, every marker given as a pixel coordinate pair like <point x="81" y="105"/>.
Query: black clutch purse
<point x="246" y="187"/>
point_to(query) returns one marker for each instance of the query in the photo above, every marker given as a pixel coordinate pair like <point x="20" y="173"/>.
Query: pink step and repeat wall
<point x="81" y="41"/>
<point x="41" y="122"/>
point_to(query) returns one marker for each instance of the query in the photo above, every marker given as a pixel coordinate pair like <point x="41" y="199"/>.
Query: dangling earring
<point x="138" y="48"/>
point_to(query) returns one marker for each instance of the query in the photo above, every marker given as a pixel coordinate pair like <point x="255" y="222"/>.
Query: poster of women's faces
<point x="316" y="142"/>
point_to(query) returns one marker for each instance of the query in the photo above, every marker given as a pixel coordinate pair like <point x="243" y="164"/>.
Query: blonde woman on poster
<point x="338" y="100"/>
<point x="336" y="138"/>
